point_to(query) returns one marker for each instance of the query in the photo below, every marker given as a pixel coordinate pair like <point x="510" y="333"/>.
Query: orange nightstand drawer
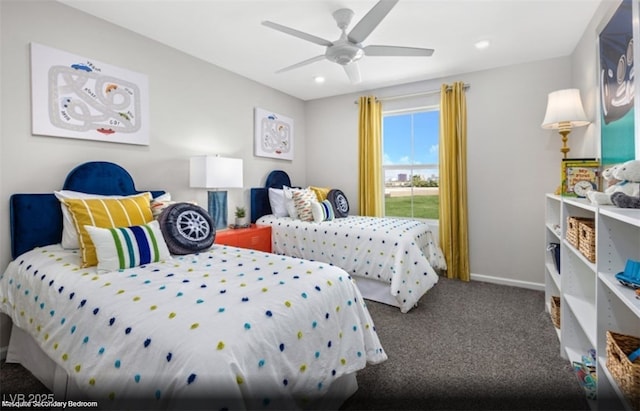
<point x="256" y="237"/>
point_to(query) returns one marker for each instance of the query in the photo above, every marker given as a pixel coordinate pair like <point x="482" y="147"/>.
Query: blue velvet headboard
<point x="36" y="219"/>
<point x="260" y="195"/>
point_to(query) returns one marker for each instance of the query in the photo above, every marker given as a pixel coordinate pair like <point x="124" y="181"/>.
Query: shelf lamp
<point x="564" y="111"/>
<point x="217" y="173"/>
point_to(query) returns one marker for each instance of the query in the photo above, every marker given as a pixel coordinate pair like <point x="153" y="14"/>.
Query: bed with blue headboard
<point x="222" y="328"/>
<point x="393" y="260"/>
<point x="36" y="219"/>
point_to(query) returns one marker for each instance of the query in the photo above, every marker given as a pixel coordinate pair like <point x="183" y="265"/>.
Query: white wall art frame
<point x="273" y="135"/>
<point x="78" y="97"/>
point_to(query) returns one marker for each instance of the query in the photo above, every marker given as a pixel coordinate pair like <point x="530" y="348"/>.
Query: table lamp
<point x="564" y="111"/>
<point x="217" y="173"/>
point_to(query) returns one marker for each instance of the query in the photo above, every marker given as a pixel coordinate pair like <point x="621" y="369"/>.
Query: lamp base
<point x="565" y="148"/>
<point x="218" y="208"/>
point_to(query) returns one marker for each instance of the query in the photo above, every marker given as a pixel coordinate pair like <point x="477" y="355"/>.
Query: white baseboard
<point x="3" y="353"/>
<point x="507" y="281"/>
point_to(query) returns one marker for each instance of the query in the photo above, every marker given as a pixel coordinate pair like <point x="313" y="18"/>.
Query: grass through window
<point x="423" y="206"/>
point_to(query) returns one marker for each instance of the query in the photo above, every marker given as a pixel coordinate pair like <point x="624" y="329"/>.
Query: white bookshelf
<point x="553" y="234"/>
<point x="592" y="301"/>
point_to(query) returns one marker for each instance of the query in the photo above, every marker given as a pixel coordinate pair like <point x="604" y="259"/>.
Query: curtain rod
<point x="421" y="93"/>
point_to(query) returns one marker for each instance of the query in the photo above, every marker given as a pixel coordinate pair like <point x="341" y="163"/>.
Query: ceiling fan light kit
<point x="347" y="50"/>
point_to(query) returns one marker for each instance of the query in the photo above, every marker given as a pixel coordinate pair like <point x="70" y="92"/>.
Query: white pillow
<point x="127" y="247"/>
<point x="277" y="202"/>
<point x="288" y="202"/>
<point x="70" y="239"/>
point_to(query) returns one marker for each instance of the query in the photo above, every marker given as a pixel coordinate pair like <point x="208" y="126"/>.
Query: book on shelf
<point x="577" y="171"/>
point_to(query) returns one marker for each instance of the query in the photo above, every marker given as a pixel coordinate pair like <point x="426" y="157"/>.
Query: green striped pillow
<point x="322" y="211"/>
<point x="127" y="247"/>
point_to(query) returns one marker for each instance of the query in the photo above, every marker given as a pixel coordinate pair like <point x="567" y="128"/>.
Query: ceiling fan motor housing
<point x="343" y="52"/>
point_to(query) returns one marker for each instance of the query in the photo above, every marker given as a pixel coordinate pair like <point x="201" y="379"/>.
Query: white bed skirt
<point x="375" y="290"/>
<point x="25" y="351"/>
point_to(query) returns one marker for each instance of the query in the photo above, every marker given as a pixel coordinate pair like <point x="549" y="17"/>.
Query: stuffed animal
<point x="623" y="200"/>
<point x="597" y="197"/>
<point x="608" y="175"/>
<point x="628" y="176"/>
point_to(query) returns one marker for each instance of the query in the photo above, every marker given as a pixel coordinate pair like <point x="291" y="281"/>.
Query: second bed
<point x="393" y="260"/>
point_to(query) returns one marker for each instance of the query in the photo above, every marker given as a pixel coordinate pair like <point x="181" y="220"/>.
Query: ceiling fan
<point x="347" y="50"/>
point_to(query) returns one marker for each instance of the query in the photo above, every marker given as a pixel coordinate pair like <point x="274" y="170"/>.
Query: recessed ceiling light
<point x="482" y="44"/>
<point x="318" y="79"/>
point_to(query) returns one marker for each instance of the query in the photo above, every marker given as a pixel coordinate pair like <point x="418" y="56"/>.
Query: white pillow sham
<point x="277" y="202"/>
<point x="288" y="202"/>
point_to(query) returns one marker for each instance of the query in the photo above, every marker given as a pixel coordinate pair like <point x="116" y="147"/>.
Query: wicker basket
<point x="587" y="240"/>
<point x="555" y="311"/>
<point x="573" y="233"/>
<point x="625" y="372"/>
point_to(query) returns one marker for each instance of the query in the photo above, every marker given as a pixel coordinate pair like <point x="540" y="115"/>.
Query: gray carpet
<point x="466" y="346"/>
<point x="469" y="346"/>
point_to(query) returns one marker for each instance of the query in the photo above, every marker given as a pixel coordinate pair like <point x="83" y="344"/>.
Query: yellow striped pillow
<point x="106" y="213"/>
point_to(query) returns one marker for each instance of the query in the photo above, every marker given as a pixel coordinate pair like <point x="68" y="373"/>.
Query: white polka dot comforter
<point x="232" y="328"/>
<point x="398" y="251"/>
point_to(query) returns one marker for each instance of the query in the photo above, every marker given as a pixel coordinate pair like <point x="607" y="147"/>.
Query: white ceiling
<point x="229" y="34"/>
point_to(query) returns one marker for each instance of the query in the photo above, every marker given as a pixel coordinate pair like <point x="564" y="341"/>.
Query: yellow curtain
<point x="370" y="157"/>
<point x="453" y="180"/>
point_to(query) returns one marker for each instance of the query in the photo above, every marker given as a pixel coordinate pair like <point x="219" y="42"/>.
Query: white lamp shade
<point x="215" y="172"/>
<point x="564" y="110"/>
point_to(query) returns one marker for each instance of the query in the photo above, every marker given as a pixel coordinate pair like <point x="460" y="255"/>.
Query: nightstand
<point x="256" y="237"/>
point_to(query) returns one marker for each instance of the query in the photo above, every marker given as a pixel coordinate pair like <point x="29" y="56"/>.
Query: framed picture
<point x="617" y="92"/>
<point x="580" y="176"/>
<point x="82" y="98"/>
<point x="273" y="135"/>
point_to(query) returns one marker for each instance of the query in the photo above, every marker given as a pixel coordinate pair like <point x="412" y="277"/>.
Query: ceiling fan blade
<point x="302" y="63"/>
<point x="297" y="33"/>
<point x="353" y="72"/>
<point x="396" y="51"/>
<point x="370" y="21"/>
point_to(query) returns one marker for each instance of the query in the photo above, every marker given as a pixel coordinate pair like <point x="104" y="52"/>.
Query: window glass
<point x="410" y="163"/>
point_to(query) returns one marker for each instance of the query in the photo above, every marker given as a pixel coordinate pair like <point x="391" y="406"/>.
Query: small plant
<point x="241" y="218"/>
